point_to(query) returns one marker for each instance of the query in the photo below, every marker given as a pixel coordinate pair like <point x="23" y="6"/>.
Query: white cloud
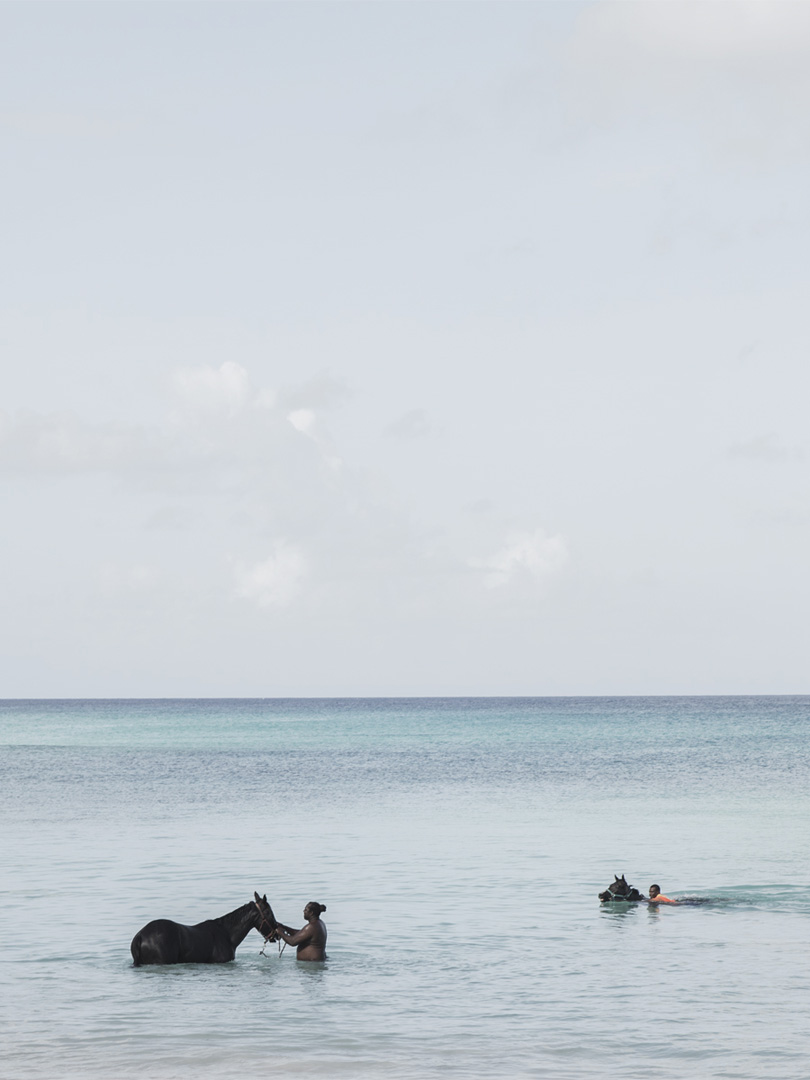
<point x="198" y="436"/>
<point x="274" y="582"/>
<point x="524" y="553"/>
<point x="214" y="390"/>
<point x="303" y="420"/>
<point x="306" y="422"/>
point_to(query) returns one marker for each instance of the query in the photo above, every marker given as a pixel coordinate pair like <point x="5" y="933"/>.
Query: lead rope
<point x="282" y="945"/>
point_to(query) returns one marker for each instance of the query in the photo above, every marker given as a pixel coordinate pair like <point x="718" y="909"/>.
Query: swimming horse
<point x="620" y="890"/>
<point x="214" y="941"/>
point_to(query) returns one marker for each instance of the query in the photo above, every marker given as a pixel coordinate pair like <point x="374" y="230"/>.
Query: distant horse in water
<point x="211" y="942"/>
<point x="620" y="890"/>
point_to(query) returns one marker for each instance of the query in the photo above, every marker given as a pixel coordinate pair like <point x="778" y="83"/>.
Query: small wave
<point x="705" y="901"/>
<point x="776" y="897"/>
<point x="784" y="898"/>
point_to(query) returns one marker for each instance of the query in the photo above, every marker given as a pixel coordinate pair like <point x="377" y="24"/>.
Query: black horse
<point x="620" y="890"/>
<point x="211" y="942"/>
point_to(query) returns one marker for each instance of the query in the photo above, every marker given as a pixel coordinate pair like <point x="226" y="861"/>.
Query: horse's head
<point x="620" y="890"/>
<point x="265" y="919"/>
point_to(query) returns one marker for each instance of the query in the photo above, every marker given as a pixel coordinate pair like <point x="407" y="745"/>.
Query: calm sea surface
<point x="458" y="844"/>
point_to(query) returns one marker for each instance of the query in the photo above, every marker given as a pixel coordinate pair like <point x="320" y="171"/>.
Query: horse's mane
<point x="236" y="916"/>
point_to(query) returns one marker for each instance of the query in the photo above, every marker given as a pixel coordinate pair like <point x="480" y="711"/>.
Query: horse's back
<point x="165" y="942"/>
<point x="157" y="943"/>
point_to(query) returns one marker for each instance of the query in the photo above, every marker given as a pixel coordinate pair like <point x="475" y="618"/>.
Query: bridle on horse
<point x="619" y="896"/>
<point x="268" y="937"/>
<point x="265" y="921"/>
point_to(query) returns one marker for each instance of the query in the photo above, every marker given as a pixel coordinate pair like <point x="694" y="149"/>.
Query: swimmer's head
<point x="655" y="890"/>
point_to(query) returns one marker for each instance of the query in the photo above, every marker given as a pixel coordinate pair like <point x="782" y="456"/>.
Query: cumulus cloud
<point x="214" y="390"/>
<point x="304" y="403"/>
<point x="305" y="421"/>
<point x="302" y="420"/>
<point x="275" y="581"/>
<point x="200" y="435"/>
<point x="236" y="475"/>
<point x="531" y="554"/>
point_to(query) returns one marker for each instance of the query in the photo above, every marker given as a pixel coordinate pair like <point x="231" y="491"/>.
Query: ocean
<point x="459" y="845"/>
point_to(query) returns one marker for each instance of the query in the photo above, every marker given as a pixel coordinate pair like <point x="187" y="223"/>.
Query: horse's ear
<point x="264" y="898"/>
<point x="256" y="897"/>
<point x="623" y="879"/>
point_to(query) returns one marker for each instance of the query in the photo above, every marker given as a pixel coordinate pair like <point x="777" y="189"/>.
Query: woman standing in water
<point x="310" y="939"/>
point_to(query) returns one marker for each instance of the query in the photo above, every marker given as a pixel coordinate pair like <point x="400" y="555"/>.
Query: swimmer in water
<point x="310" y="940"/>
<point x="657" y="897"/>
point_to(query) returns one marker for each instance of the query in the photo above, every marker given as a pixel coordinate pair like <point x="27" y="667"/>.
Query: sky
<point x="370" y="349"/>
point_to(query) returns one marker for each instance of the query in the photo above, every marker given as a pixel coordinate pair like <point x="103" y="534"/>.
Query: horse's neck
<point x="238" y="924"/>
